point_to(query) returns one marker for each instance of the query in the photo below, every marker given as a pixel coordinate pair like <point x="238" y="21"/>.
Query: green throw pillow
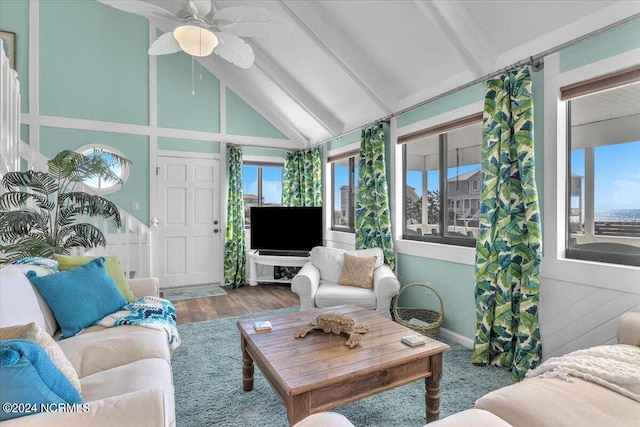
<point x="112" y="264"/>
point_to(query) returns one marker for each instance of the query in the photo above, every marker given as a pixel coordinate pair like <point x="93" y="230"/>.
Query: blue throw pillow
<point x="29" y="379"/>
<point x="81" y="296"/>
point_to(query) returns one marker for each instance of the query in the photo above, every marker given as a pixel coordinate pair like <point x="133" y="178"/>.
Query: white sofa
<point x="124" y="371"/>
<point x="317" y="282"/>
<point x="540" y="402"/>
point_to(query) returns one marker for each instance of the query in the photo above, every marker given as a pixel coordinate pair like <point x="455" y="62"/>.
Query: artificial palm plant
<point x="41" y="212"/>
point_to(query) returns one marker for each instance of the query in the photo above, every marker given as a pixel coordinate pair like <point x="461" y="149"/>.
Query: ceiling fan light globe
<point x="195" y="40"/>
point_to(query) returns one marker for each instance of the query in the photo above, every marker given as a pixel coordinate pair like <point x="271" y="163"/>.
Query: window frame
<point x="568" y="93"/>
<point x="260" y="165"/>
<point x="441" y="130"/>
<point x="353" y="157"/>
<point x="124" y="171"/>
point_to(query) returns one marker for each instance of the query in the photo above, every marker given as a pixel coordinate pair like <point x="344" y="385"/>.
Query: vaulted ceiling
<point x="351" y="62"/>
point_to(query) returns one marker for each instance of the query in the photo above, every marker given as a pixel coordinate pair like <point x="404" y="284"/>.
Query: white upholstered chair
<point x="317" y="282"/>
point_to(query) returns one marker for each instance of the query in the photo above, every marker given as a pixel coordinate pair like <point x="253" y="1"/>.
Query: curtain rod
<point x="536" y="62"/>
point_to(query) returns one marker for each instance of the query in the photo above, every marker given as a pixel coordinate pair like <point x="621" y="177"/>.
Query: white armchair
<point x="317" y="282"/>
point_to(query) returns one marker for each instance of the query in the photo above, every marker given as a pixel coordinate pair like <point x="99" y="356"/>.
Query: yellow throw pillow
<point x="112" y="264"/>
<point x="358" y="271"/>
<point x="33" y="332"/>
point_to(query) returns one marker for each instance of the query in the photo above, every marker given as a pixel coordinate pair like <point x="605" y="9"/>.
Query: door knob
<point x="215" y="222"/>
<point x="215" y="230"/>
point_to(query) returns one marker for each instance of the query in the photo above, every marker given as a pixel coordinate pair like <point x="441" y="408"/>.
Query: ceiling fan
<point x="199" y="28"/>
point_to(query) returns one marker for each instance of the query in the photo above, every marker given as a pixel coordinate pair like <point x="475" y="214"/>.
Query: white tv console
<point x="254" y="258"/>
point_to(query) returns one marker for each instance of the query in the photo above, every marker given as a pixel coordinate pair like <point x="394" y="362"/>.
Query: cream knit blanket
<point x="613" y="366"/>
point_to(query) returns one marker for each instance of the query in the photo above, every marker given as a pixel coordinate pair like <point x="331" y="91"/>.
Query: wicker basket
<point x="434" y="318"/>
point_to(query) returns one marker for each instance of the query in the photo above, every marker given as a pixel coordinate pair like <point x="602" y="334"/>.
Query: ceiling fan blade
<point x="140" y="8"/>
<point x="164" y="45"/>
<point x="250" y="21"/>
<point x="203" y="6"/>
<point x="234" y="50"/>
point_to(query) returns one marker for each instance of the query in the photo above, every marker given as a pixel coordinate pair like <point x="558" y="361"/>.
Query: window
<point x="261" y="186"/>
<point x="344" y="175"/>
<point x="102" y="186"/>
<point x="444" y="160"/>
<point x="603" y="191"/>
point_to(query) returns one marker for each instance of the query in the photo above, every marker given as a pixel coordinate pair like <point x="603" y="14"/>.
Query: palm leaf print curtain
<point x="234" y="240"/>
<point x="373" y="217"/>
<point x="508" y="249"/>
<point x="302" y="183"/>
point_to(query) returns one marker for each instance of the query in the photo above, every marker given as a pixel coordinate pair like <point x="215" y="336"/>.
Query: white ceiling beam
<point x="230" y="74"/>
<point x="297" y="93"/>
<point x="470" y="42"/>
<point x="355" y="67"/>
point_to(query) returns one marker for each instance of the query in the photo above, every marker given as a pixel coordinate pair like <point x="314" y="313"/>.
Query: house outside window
<point x="261" y="186"/>
<point x="344" y="175"/>
<point x="603" y="185"/>
<point x="443" y="160"/>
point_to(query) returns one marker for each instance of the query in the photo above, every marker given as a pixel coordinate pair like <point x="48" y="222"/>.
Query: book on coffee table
<point x="413" y="340"/>
<point x="262" y="326"/>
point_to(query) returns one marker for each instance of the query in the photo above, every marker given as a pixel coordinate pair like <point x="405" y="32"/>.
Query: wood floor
<point x="244" y="300"/>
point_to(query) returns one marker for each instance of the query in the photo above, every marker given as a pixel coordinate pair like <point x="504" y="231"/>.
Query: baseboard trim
<point x="457" y="338"/>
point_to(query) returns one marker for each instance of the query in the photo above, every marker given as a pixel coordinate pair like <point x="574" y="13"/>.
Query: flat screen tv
<point x="277" y="230"/>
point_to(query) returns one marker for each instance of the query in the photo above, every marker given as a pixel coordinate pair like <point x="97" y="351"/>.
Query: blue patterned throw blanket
<point x="150" y="312"/>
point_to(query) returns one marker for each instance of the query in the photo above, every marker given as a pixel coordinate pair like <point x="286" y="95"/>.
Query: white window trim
<point x="341" y="237"/>
<point x="271" y="160"/>
<point x="555" y="265"/>
<point x="125" y="170"/>
<point x="264" y="161"/>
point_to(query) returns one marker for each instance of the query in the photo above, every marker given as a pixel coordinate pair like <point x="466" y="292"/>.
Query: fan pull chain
<point x="193" y="92"/>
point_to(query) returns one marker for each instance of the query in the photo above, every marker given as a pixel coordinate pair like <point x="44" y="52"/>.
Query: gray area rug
<point x="207" y="371"/>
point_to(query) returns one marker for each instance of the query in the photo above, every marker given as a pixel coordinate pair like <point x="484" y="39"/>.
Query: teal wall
<point x="263" y="151"/>
<point x="24" y="133"/>
<point x="350" y="138"/>
<point x="93" y="65"/>
<point x="14" y="18"/>
<point x="455" y="283"/>
<point x="605" y="45"/>
<point x="244" y="120"/>
<point x="133" y="147"/>
<point x="179" y="106"/>
<point x="442" y="105"/>
<point x="93" y="62"/>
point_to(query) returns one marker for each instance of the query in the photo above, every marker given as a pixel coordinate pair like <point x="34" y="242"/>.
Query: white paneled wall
<point x="575" y="316"/>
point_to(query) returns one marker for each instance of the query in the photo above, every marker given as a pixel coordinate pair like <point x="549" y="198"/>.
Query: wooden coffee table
<point x="319" y="372"/>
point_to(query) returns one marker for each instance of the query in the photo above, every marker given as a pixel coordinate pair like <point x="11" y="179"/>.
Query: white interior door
<point x="189" y="221"/>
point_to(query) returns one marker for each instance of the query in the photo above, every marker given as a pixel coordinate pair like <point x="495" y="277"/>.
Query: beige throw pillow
<point x="358" y="271"/>
<point x="33" y="332"/>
